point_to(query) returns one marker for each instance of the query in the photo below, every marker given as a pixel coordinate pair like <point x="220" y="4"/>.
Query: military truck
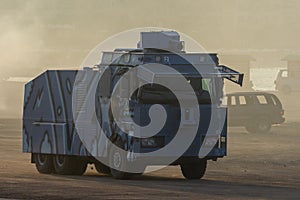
<point x="61" y="143"/>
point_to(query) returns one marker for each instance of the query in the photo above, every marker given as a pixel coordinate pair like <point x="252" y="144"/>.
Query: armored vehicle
<point x="63" y="136"/>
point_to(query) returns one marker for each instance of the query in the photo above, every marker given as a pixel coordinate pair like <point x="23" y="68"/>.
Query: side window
<point x="233" y="101"/>
<point x="284" y="74"/>
<point x="274" y="100"/>
<point x="242" y="100"/>
<point x="262" y="99"/>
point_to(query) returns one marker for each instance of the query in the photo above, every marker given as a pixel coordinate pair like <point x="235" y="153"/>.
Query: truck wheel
<point x="43" y="163"/>
<point x="118" y="162"/>
<point x="68" y="165"/>
<point x="263" y="125"/>
<point x="101" y="168"/>
<point x="194" y="170"/>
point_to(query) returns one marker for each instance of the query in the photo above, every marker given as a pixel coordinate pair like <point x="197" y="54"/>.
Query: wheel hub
<point x="117" y="159"/>
<point x="60" y="160"/>
<point x="41" y="159"/>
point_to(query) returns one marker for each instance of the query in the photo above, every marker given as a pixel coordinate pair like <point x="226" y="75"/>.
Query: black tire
<point x="101" y="168"/>
<point x="69" y="165"/>
<point x="43" y="163"/>
<point x="194" y="170"/>
<point x="118" y="162"/>
<point x="263" y="125"/>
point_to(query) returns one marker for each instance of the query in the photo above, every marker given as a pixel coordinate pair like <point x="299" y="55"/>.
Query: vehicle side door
<point x="234" y="112"/>
<point x="266" y="107"/>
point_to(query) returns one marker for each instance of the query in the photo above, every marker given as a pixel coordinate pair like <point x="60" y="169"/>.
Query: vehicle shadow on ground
<point x="216" y="187"/>
<point x="276" y="128"/>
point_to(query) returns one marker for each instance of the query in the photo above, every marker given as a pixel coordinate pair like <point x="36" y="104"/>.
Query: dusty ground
<point x="259" y="166"/>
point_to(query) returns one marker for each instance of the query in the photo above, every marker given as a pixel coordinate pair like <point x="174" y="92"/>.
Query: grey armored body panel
<point x="47" y="118"/>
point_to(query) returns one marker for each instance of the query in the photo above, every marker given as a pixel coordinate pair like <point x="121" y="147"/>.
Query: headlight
<point x="152" y="142"/>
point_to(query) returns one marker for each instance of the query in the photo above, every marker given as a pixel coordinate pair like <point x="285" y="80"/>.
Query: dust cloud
<point x="249" y="35"/>
<point x="38" y="35"/>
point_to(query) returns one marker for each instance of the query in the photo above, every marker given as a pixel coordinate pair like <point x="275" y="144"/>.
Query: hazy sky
<point x="38" y="34"/>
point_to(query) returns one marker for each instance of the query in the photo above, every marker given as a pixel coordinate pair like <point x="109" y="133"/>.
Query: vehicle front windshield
<point x="155" y="93"/>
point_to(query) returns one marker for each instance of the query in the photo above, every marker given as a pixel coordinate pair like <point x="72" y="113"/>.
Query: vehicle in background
<point x="287" y="81"/>
<point x="256" y="111"/>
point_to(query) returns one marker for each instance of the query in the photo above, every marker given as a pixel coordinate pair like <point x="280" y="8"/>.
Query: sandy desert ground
<point x="258" y="166"/>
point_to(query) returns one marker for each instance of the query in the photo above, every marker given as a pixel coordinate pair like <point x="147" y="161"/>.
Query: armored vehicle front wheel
<point x="43" y="163"/>
<point x="68" y="165"/>
<point x="194" y="170"/>
<point x="118" y="163"/>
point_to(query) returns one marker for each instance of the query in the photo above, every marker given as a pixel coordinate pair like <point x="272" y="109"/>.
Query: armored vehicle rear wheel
<point x="194" y="170"/>
<point x="68" y="165"/>
<point x="101" y="168"/>
<point x="43" y="163"/>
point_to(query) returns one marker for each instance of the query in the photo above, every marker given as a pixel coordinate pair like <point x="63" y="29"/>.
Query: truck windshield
<point x="155" y="93"/>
